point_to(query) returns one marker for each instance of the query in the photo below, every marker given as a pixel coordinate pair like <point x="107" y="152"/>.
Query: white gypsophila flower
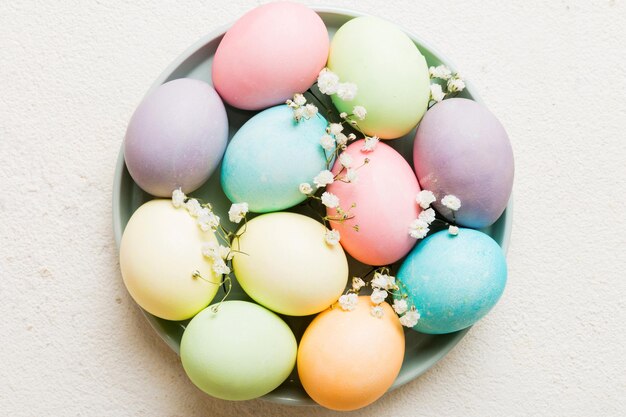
<point x="391" y="282"/>
<point x="237" y="212"/>
<point x="410" y="318"/>
<point x="378" y="296"/>
<point x="451" y="202"/>
<point x="427" y="215"/>
<point x="453" y="230"/>
<point x="298" y="113"/>
<point x="357" y="283"/>
<point x="310" y="110"/>
<point x="341" y="139"/>
<point x="351" y="136"/>
<point x="193" y="207"/>
<point x="436" y="93"/>
<point x="343" y="115"/>
<point x="208" y="221"/>
<point x="335" y="128"/>
<point x="347" y="91"/>
<point x="225" y="253"/>
<point x="305" y="188"/>
<point x="327" y="82"/>
<point x="327" y="142"/>
<point x="440" y="71"/>
<point x="178" y="198"/>
<point x="418" y="229"/>
<point x="330" y="200"/>
<point x="377" y="311"/>
<point x="210" y="250"/>
<point x="380" y="281"/>
<point x="370" y="143"/>
<point x="220" y="267"/>
<point x="359" y="112"/>
<point x="324" y="178"/>
<point x="345" y="159"/>
<point x="400" y="305"/>
<point x="299" y="99"/>
<point x="456" y="85"/>
<point x="348" y="302"/>
<point x="351" y="175"/>
<point x="425" y="198"/>
<point x="332" y="237"/>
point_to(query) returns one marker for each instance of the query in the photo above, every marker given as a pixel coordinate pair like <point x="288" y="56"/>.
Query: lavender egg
<point x="176" y="137"/>
<point x="462" y="149"/>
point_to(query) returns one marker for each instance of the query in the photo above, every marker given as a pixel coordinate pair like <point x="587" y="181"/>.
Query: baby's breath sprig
<point x="220" y="256"/>
<point x="334" y="141"/>
<point x="420" y="227"/>
<point x="383" y="285"/>
<point x="449" y="84"/>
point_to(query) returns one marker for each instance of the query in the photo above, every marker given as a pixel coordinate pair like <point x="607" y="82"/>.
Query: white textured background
<point x="73" y="343"/>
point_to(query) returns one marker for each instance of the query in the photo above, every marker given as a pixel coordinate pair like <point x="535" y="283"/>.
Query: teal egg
<point x="240" y="352"/>
<point x="453" y="281"/>
<point x="270" y="156"/>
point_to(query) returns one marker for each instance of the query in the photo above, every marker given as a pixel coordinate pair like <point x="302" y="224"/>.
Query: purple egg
<point x="176" y="137"/>
<point x="462" y="149"/>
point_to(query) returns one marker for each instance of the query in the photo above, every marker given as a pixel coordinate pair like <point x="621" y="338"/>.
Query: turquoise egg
<point x="270" y="156"/>
<point x="453" y="281"/>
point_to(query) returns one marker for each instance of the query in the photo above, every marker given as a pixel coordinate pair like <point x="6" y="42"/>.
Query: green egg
<point x="390" y="72"/>
<point x="240" y="352"/>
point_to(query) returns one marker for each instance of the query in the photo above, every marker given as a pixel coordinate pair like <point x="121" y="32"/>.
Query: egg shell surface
<point x="160" y="249"/>
<point x="287" y="266"/>
<point x="270" y="156"/>
<point x="176" y="137"/>
<point x="270" y="53"/>
<point x="462" y="149"/>
<point x="384" y="194"/>
<point x="240" y="352"/>
<point x="349" y="359"/>
<point x="454" y="281"/>
<point x="390" y="72"/>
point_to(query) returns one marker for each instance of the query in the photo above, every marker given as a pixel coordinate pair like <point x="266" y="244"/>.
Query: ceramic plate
<point x="422" y="351"/>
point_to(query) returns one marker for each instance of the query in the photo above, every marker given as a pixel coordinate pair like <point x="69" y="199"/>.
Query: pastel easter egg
<point x="454" y="281"/>
<point x="384" y="197"/>
<point x="239" y="352"/>
<point x="176" y="137"/>
<point x="270" y="53"/>
<point x="161" y="248"/>
<point x="390" y="72"/>
<point x="270" y="156"/>
<point x="462" y="149"/>
<point x="285" y="264"/>
<point x="349" y="359"/>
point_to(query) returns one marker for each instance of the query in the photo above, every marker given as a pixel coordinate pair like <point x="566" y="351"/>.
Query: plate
<point x="422" y="351"/>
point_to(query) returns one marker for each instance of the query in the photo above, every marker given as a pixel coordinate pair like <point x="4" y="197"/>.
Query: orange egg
<point x="349" y="359"/>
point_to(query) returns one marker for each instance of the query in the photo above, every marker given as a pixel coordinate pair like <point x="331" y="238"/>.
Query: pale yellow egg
<point x="161" y="249"/>
<point x="286" y="265"/>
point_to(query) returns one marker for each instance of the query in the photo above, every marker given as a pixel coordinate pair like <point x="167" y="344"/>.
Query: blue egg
<point x="453" y="281"/>
<point x="270" y="156"/>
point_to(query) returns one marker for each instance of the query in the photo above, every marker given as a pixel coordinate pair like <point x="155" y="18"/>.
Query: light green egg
<point x="240" y="352"/>
<point x="390" y="72"/>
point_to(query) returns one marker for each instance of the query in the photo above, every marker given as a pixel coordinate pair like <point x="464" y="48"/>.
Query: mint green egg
<point x="390" y="73"/>
<point x="240" y="352"/>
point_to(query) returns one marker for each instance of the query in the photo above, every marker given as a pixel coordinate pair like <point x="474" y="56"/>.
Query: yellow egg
<point x="349" y="359"/>
<point x="160" y="250"/>
<point x="286" y="265"/>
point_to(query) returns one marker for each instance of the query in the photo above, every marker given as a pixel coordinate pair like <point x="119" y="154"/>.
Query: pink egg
<point x="384" y="197"/>
<point x="270" y="53"/>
